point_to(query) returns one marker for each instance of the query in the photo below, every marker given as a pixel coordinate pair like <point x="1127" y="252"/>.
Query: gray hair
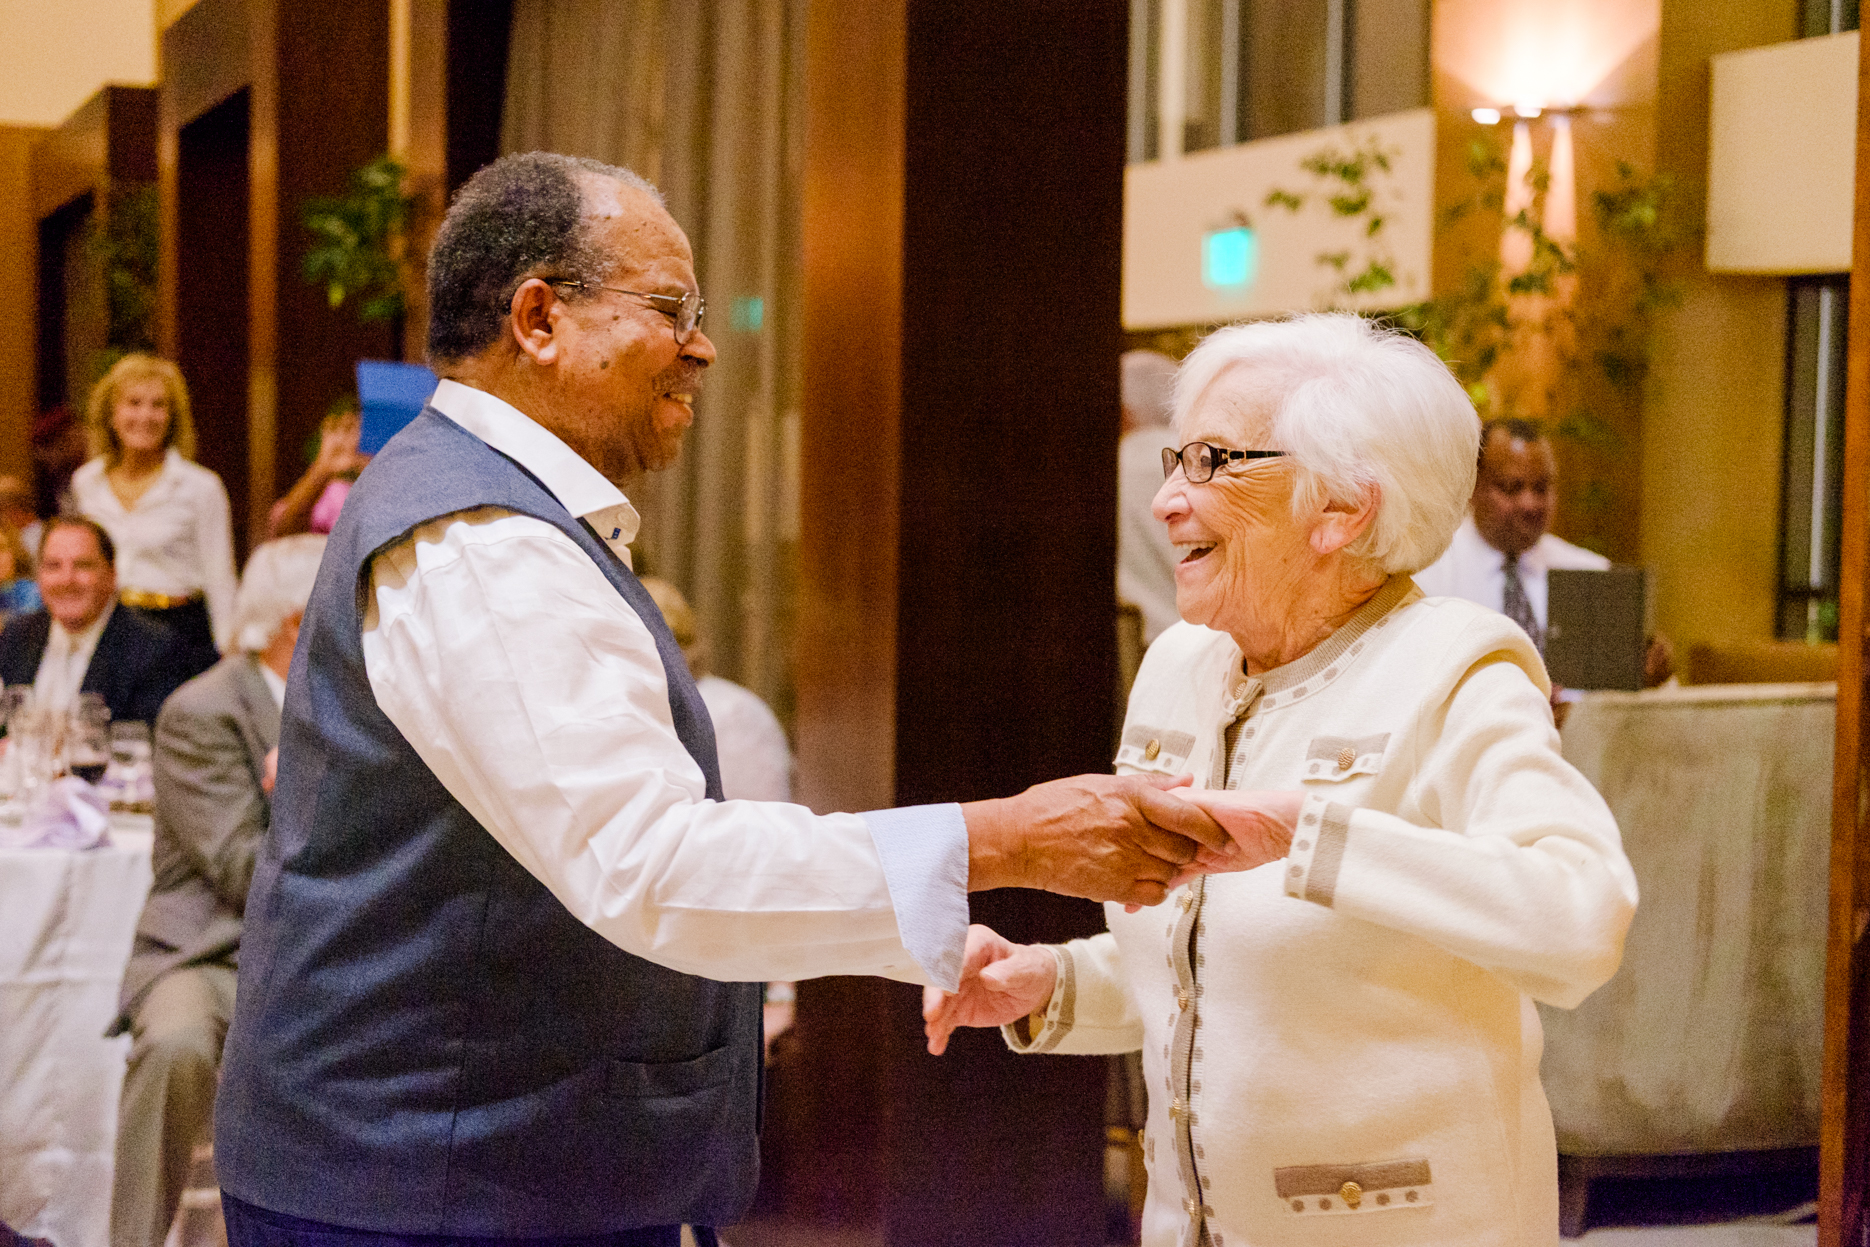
<point x="521" y="216"/>
<point x="276" y="585"/>
<point x="1356" y="406"/>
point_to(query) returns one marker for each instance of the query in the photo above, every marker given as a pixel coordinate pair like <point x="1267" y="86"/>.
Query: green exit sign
<point x="1230" y="258"/>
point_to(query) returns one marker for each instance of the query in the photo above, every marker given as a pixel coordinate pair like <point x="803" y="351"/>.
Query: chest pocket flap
<point x="1155" y="749"/>
<point x="1344" y="757"/>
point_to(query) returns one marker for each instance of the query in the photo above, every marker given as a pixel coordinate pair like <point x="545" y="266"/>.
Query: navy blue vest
<point x="424" y="1040"/>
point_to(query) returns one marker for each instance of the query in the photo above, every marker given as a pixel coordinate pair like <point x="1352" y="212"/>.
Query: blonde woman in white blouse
<point x="168" y="516"/>
<point x="1337" y="1024"/>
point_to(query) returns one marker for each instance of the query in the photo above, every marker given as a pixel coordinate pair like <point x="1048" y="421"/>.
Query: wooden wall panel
<point x="963" y="237"/>
<point x="1844" y="1143"/>
<point x="316" y="89"/>
<point x="333" y="116"/>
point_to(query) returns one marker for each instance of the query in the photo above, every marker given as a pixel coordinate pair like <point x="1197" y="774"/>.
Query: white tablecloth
<point x="1709" y="1036"/>
<point x="66" y="924"/>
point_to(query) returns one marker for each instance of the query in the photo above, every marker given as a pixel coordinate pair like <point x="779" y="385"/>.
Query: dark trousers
<point x="248" y="1226"/>
<point x="190" y="622"/>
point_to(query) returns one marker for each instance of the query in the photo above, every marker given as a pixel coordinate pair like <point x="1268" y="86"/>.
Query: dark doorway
<point x="211" y="300"/>
<point x="68" y="321"/>
<point x="478" y="31"/>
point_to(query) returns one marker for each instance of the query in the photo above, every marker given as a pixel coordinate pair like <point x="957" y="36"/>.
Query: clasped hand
<point x="1002" y="982"/>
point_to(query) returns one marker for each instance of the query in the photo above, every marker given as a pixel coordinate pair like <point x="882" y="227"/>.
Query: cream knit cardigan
<point x="1341" y="1047"/>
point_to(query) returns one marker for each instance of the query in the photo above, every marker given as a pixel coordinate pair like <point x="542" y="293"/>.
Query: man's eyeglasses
<point x="1200" y="461"/>
<point x="685" y="309"/>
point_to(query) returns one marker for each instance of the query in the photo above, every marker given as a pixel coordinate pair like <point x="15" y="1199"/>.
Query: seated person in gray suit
<point x="214" y="741"/>
<point x="83" y="641"/>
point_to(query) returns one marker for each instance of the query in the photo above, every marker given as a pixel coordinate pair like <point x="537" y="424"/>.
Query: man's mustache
<point x="682" y="378"/>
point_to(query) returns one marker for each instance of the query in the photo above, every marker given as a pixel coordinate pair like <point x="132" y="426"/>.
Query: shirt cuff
<point x="923" y="849"/>
<point x="1317" y="850"/>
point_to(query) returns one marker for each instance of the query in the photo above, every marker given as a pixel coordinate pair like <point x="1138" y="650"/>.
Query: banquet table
<point x="1706" y="1043"/>
<point x="67" y="919"/>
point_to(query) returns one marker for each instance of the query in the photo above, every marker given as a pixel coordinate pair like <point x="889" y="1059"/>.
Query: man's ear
<point x="534" y="318"/>
<point x="1341" y="523"/>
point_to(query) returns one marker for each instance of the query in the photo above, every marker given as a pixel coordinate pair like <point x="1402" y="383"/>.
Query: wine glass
<point x="87" y="739"/>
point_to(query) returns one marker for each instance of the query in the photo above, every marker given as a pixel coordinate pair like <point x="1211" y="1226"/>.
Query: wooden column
<point x="1844" y="1152"/>
<point x="263" y="104"/>
<point x="963" y="234"/>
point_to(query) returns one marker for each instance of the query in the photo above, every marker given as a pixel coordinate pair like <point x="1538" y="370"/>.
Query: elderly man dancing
<point x="504" y="944"/>
<point x="1343" y="1036"/>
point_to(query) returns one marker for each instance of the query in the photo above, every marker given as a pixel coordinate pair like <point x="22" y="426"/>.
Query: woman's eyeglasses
<point x="1200" y="461"/>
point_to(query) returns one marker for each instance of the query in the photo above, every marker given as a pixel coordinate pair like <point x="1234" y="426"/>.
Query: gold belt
<point x="154" y="601"/>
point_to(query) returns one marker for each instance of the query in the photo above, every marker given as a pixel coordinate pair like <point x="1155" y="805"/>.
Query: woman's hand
<point x="1261" y="825"/>
<point x="1001" y="982"/>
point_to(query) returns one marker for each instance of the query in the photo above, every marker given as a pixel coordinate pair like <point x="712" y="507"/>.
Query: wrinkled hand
<point x="1000" y="983"/>
<point x="1259" y="828"/>
<point x="1105" y="837"/>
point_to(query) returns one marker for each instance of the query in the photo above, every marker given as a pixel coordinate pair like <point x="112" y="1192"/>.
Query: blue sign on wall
<point x="1230" y="258"/>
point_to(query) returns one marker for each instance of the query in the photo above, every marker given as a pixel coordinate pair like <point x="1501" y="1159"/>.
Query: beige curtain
<point x="706" y="99"/>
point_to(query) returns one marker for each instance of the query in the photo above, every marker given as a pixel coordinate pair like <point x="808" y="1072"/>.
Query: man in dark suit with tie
<point x="133" y="661"/>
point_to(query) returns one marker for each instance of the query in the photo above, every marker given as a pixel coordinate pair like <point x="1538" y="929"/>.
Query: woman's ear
<point x="534" y="312"/>
<point x="1340" y="523"/>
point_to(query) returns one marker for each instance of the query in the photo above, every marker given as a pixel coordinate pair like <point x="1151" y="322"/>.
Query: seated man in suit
<point x="214" y="744"/>
<point x="83" y="642"/>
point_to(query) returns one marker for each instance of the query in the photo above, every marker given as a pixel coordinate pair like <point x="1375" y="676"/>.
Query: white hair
<point x="276" y="585"/>
<point x="1354" y="406"/>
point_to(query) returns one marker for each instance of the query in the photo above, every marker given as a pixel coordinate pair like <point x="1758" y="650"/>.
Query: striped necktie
<point x="1516" y="607"/>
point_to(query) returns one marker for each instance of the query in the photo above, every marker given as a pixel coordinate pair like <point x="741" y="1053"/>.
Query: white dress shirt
<point x="1474" y="570"/>
<point x="536" y="695"/>
<point x="756" y="763"/>
<point x="67" y="657"/>
<point x="274" y="683"/>
<point x="177" y="541"/>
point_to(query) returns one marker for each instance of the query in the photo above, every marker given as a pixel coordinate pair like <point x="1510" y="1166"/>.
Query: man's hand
<point x="1658" y="661"/>
<point x="1105" y="837"/>
<point x="1000" y="983"/>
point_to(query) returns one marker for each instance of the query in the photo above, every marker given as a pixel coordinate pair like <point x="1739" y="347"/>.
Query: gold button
<point x="1181" y="998"/>
<point x="1178" y="1110"/>
<point x="1346" y="756"/>
<point x="1185" y="901"/>
<point x="1151" y="750"/>
<point x="1352" y="1194"/>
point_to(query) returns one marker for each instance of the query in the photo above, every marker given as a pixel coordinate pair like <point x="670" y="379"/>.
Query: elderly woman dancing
<point x="1337" y="1025"/>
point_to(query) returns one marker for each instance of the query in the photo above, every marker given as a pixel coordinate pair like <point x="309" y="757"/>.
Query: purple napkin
<point x="67" y="814"/>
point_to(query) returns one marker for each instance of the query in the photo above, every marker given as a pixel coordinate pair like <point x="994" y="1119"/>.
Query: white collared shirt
<point x="536" y="695"/>
<point x="1474" y="570"/>
<point x="67" y="657"/>
<point x="275" y="683"/>
<point x="177" y="541"/>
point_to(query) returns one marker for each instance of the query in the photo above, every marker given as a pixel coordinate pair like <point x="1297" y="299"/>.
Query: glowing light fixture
<point x="1527" y="111"/>
<point x="1515" y="243"/>
<point x="1487" y="116"/>
<point x="1230" y="258"/>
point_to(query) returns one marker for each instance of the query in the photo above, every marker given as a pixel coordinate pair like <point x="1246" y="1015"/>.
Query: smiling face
<point x="1243" y="551"/>
<point x="1513" y="492"/>
<point x="624" y="391"/>
<point x="140" y="416"/>
<point x="75" y="581"/>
